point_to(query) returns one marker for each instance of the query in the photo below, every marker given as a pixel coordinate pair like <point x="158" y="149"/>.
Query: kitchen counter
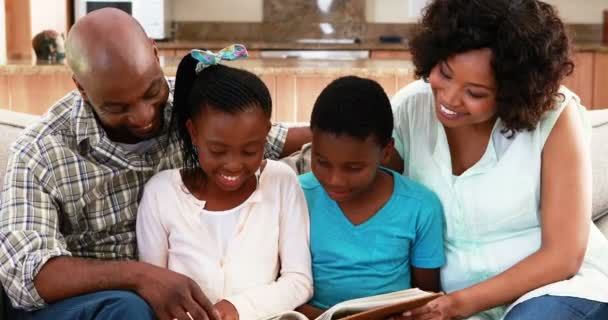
<point x="365" y="45"/>
<point x="267" y="45"/>
<point x="261" y="67"/>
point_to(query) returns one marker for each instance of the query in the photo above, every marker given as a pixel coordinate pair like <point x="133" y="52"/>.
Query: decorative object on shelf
<point x="49" y="47"/>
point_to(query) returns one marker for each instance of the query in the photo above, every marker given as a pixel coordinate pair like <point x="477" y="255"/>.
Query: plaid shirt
<point x="70" y="191"/>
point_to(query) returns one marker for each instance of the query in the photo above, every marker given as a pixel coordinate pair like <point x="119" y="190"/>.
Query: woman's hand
<point x="227" y="310"/>
<point x="443" y="308"/>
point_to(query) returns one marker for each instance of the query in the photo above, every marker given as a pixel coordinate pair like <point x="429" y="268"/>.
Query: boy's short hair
<point x="356" y="107"/>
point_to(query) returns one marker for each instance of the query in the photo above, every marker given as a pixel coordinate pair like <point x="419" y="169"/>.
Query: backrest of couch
<point x="11" y="124"/>
<point x="599" y="160"/>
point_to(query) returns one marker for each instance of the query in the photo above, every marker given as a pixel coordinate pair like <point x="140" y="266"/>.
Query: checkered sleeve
<point x="29" y="228"/>
<point x="275" y="141"/>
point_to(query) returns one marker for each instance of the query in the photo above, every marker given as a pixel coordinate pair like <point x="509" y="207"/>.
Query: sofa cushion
<point x="599" y="150"/>
<point x="11" y="124"/>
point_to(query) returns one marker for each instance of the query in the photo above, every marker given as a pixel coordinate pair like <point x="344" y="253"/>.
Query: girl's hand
<point x="443" y="308"/>
<point x="226" y="310"/>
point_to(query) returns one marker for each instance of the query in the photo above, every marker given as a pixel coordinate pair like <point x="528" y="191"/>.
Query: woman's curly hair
<point x="529" y="44"/>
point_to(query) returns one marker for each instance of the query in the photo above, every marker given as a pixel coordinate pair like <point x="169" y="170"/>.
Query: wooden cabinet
<point x="391" y="54"/>
<point x="293" y="93"/>
<point x="33" y="93"/>
<point x="581" y="79"/>
<point x="600" y="81"/>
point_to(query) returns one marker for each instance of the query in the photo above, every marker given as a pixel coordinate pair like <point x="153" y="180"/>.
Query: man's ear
<point x="155" y="49"/>
<point x="80" y="89"/>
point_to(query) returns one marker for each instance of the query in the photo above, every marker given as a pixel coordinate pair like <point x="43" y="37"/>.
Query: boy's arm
<point x="427" y="254"/>
<point x="310" y="311"/>
<point x="426" y="279"/>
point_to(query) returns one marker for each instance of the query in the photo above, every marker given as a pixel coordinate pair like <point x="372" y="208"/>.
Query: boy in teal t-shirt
<point x="372" y="231"/>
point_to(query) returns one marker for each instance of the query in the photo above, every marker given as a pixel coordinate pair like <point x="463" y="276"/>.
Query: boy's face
<point x="345" y="166"/>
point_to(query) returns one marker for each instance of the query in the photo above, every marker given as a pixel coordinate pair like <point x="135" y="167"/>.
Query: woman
<point x="493" y="134"/>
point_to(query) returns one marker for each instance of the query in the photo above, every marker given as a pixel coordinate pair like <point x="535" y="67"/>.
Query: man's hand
<point x="227" y="310"/>
<point x="174" y="296"/>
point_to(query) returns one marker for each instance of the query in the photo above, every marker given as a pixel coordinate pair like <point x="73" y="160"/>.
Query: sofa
<point x="11" y="123"/>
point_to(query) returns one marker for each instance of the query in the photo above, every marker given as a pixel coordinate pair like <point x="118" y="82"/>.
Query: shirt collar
<point x="85" y="123"/>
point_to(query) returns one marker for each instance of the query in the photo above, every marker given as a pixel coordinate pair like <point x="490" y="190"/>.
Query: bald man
<point x="67" y="216"/>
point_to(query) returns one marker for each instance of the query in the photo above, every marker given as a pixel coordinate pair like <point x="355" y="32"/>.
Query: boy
<point x="372" y="230"/>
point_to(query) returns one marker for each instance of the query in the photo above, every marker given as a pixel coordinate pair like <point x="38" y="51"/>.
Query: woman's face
<point x="465" y="89"/>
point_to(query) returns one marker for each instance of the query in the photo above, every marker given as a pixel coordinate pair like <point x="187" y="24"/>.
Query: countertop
<point x="361" y="67"/>
<point x="365" y="45"/>
<point x="261" y="67"/>
<point x="284" y="45"/>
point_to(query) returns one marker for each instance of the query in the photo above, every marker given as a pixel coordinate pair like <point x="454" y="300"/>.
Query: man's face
<point x="129" y="105"/>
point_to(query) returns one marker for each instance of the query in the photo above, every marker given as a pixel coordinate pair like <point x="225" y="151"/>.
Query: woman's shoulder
<point x="566" y="98"/>
<point x="417" y="93"/>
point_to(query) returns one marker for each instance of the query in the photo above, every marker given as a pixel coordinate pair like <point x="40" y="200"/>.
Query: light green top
<point x="492" y="210"/>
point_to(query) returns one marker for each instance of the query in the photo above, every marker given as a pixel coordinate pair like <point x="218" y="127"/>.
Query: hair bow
<point x="208" y="58"/>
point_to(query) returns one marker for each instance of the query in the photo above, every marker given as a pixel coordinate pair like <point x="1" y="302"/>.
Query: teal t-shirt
<point x="374" y="257"/>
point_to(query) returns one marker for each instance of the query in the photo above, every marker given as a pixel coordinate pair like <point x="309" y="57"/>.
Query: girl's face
<point x="230" y="146"/>
<point x="465" y="89"/>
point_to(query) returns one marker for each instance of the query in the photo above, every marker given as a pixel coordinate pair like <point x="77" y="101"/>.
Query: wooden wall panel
<point x="285" y="98"/>
<point x="18" y="29"/>
<point x="391" y="54"/>
<point x="36" y="93"/>
<point x="600" y="83"/>
<point x="270" y="82"/>
<point x="307" y="91"/>
<point x="581" y="80"/>
<point x="388" y="83"/>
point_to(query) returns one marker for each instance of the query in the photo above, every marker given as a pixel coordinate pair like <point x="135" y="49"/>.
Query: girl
<point x="234" y="223"/>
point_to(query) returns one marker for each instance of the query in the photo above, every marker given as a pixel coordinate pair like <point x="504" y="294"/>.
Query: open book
<point x="377" y="307"/>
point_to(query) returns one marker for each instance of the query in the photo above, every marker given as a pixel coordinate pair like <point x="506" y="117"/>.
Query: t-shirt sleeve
<point x="427" y="251"/>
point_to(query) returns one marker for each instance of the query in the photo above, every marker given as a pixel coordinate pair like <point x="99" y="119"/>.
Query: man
<point x="68" y="207"/>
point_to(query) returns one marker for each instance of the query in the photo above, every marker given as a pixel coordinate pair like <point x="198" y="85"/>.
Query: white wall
<point x="379" y="11"/>
<point x="2" y="34"/>
<point x="218" y="10"/>
<point x="48" y="14"/>
<point x="571" y="11"/>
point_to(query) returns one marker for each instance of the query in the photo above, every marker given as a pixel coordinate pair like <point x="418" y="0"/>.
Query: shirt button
<point x="221" y="263"/>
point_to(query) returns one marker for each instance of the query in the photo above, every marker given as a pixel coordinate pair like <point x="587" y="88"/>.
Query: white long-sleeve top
<point x="263" y="269"/>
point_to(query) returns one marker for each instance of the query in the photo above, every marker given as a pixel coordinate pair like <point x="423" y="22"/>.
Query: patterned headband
<point x="208" y="58"/>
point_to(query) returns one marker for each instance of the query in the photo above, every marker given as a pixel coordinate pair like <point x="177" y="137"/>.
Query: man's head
<point x="352" y="124"/>
<point x="117" y="71"/>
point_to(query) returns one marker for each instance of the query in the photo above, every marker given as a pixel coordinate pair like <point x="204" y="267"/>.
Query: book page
<point x="355" y="306"/>
<point x="288" y="315"/>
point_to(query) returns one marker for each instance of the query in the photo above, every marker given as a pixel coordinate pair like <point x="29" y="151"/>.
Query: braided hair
<point x="220" y="87"/>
